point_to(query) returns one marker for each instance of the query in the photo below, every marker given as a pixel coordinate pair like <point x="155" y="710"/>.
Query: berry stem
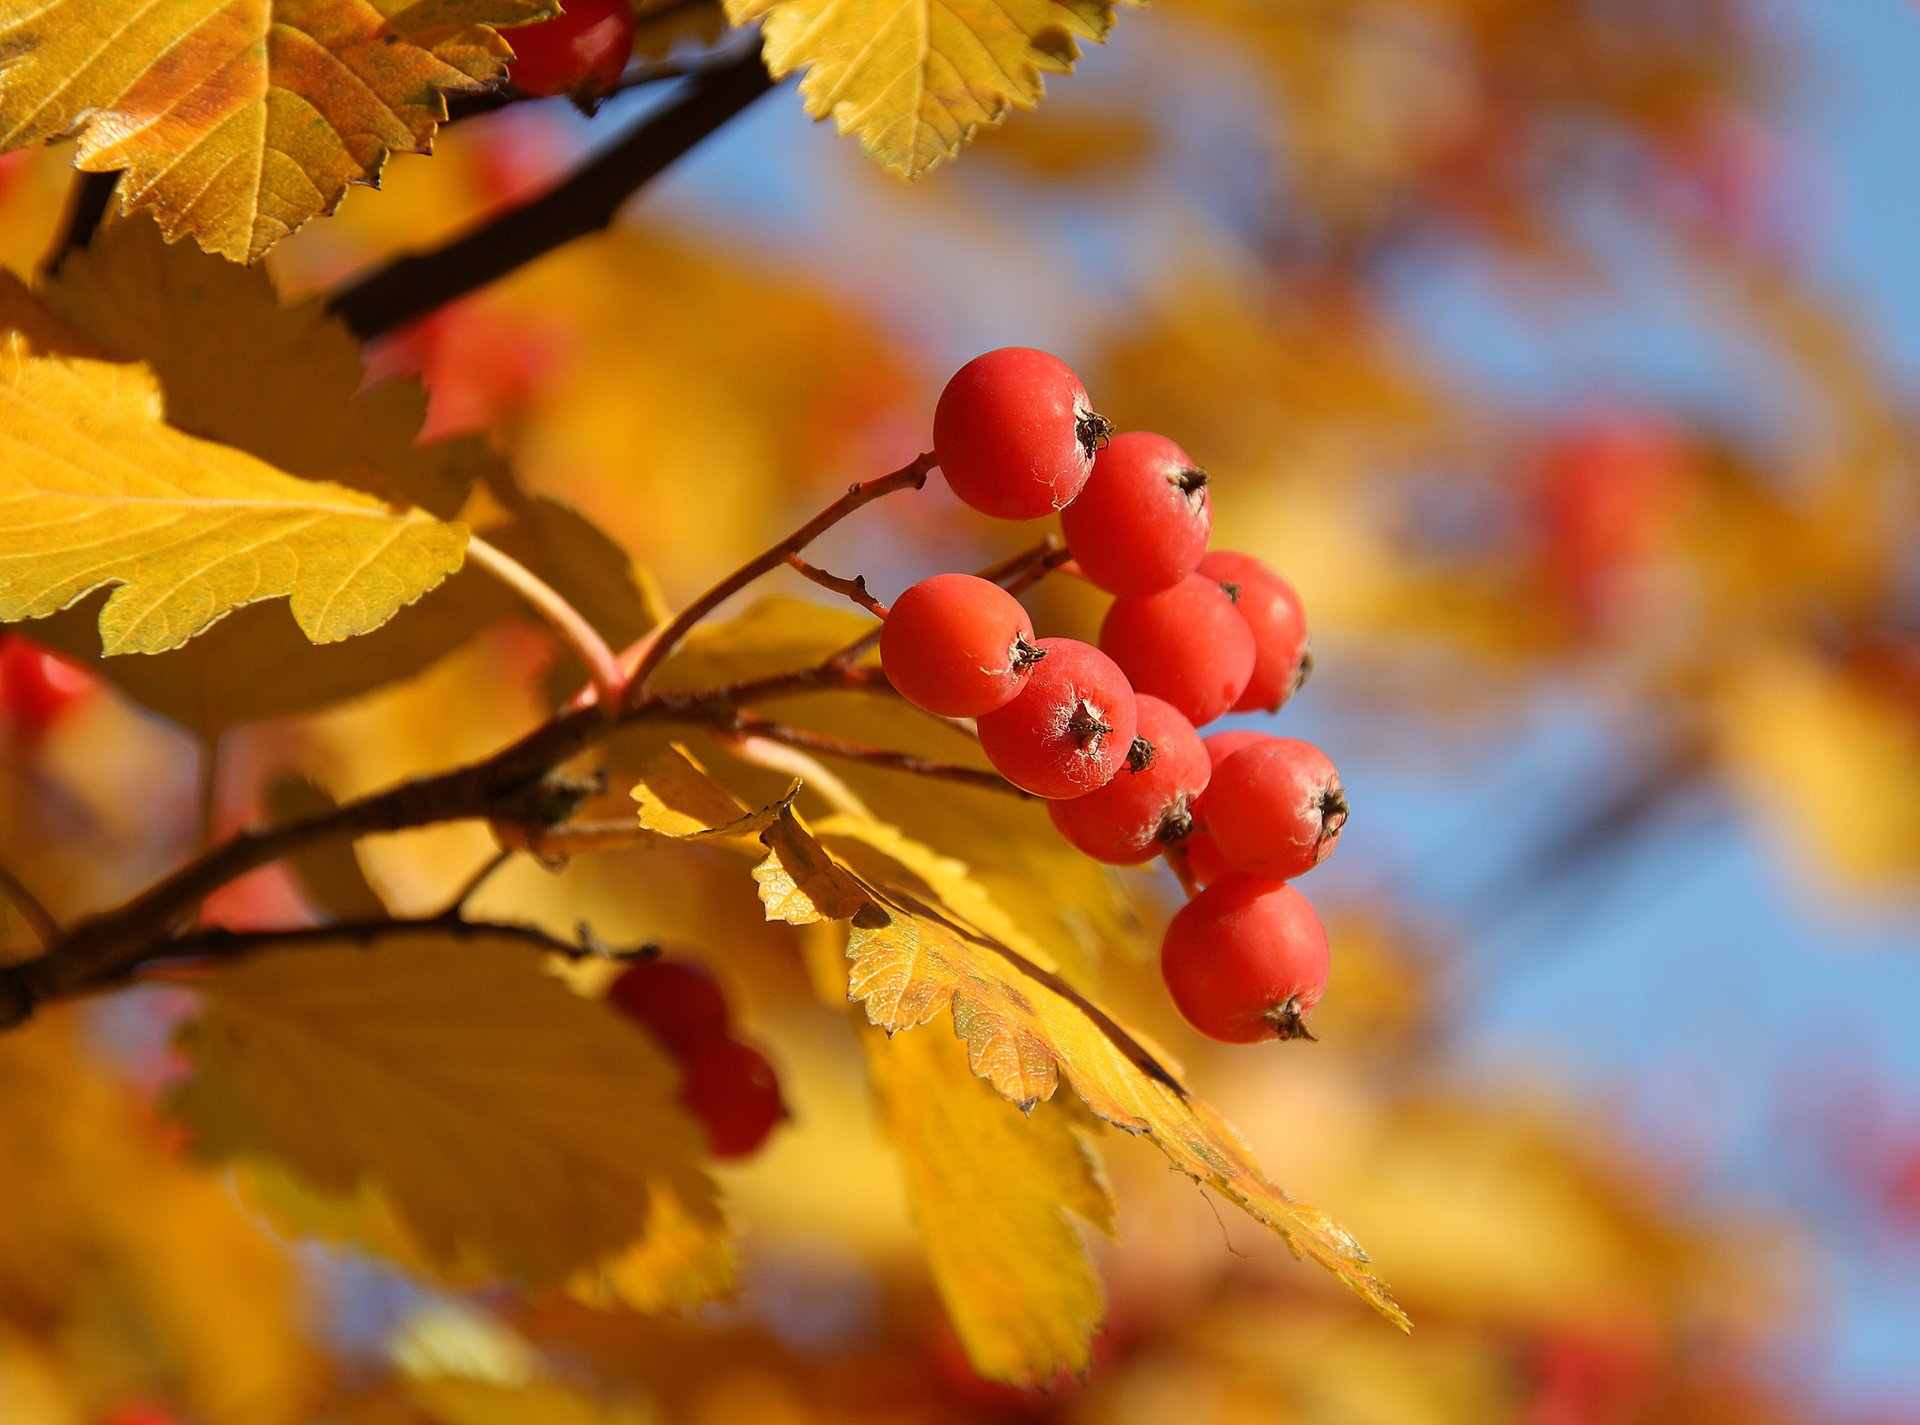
<point x="871" y="756"/>
<point x="1182" y="872"/>
<point x="908" y="477"/>
<point x="38" y="918"/>
<point x="854" y="588"/>
<point x="609" y="681"/>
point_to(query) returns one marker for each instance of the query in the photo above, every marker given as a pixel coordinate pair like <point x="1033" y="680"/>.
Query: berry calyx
<point x="1148" y="803"/>
<point x="1187" y="644"/>
<point x="957" y="645"/>
<point x="581" y="51"/>
<point x="1246" y="960"/>
<point x="677" y="1002"/>
<point x="1276" y="808"/>
<point x="1281" y="659"/>
<point x="1142" y="521"/>
<point x="1070" y="729"/>
<point x="734" y="1092"/>
<point x="1015" y="435"/>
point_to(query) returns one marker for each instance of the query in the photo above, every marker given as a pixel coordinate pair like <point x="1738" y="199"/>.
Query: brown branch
<point x="907" y="477"/>
<point x="221" y="944"/>
<point x="854" y="588"/>
<point x="585" y="202"/>
<point x="38" y="918"/>
<point x="871" y="756"/>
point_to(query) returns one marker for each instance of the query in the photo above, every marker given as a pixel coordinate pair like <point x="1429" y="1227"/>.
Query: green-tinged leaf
<point x="96" y="489"/>
<point x="991" y="1193"/>
<point x="913" y="79"/>
<point x="514" y="1128"/>
<point x="237" y="122"/>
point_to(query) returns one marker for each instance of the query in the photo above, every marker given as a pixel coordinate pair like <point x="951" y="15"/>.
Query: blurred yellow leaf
<point x="97" y="489"/>
<point x="677" y="798"/>
<point x="991" y="1191"/>
<point x="915" y="78"/>
<point x="237" y="123"/>
<point x="512" y="1125"/>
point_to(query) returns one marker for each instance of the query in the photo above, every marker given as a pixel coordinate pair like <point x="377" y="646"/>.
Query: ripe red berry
<point x="37" y="687"/>
<point x="732" y="1089"/>
<point x="957" y="645"/>
<point x="1187" y="644"/>
<point x="1204" y="863"/>
<point x="679" y="1003"/>
<point x="1014" y="433"/>
<point x="1246" y="960"/>
<point x="1277" y="808"/>
<point x="1272" y="610"/>
<point x="1070" y="729"/>
<point x="1142" y="522"/>
<point x="1148" y="803"/>
<point x="579" y="52"/>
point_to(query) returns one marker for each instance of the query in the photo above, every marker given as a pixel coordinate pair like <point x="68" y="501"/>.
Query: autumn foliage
<point x="491" y="928"/>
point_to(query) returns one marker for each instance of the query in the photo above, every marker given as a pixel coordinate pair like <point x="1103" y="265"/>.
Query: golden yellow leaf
<point x="799" y="882"/>
<point x="454" y="1400"/>
<point x="991" y="1191"/>
<point x="329" y="871"/>
<point x="514" y="1127"/>
<point x="682" y="1262"/>
<point x="96" y="489"/>
<point x="677" y="798"/>
<point x="237" y="122"/>
<point x="915" y="78"/>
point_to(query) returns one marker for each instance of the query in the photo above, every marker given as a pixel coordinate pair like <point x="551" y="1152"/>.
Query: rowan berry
<point x="1281" y="661"/>
<point x="37" y="687"/>
<point x="1014" y="433"/>
<point x="1148" y="803"/>
<point x="677" y="1002"/>
<point x="734" y="1092"/>
<point x="1069" y="730"/>
<point x="1203" y="860"/>
<point x="957" y="645"/>
<point x="580" y="51"/>
<point x="1142" y="522"/>
<point x="1187" y="644"/>
<point x="1246" y="960"/>
<point x="1277" y="808"/>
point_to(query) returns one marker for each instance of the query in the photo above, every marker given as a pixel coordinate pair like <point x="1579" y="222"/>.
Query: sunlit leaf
<point x="915" y="78"/>
<point x="236" y="123"/>
<point x="513" y="1126"/>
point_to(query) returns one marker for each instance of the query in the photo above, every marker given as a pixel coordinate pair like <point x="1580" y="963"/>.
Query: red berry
<point x="1246" y="960"/>
<point x="1141" y="524"/>
<point x="1014" y="433"/>
<point x="1204" y="862"/>
<point x="1187" y="644"/>
<point x="580" y="51"/>
<point x="1147" y="804"/>
<point x="957" y="645"/>
<point x="1070" y="729"/>
<point x="1272" y="610"/>
<point x="37" y="687"/>
<point x="1276" y="809"/>
<point x="732" y="1089"/>
<point x="678" y="1003"/>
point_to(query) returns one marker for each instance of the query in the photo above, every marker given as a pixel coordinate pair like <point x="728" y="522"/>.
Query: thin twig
<point x="567" y="621"/>
<point x="222" y="944"/>
<point x="908" y="477"/>
<point x="585" y="202"/>
<point x="479" y="878"/>
<point x="38" y="918"/>
<point x="873" y="756"/>
<point x="854" y="588"/>
<point x="88" y="199"/>
<point x="1042" y="565"/>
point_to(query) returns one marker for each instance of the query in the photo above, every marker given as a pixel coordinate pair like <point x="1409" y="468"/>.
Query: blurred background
<point x="1562" y="354"/>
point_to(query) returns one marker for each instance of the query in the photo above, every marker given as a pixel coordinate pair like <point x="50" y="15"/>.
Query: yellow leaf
<point x="677" y="798"/>
<point x="915" y="78"/>
<point x="991" y="1191"/>
<point x="96" y="489"/>
<point x="237" y="122"/>
<point x="681" y="1262"/>
<point x="800" y="883"/>
<point x="513" y="1126"/>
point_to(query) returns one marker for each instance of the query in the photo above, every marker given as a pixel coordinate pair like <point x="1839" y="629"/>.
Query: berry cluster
<point x="1110" y="734"/>
<point x="726" y="1084"/>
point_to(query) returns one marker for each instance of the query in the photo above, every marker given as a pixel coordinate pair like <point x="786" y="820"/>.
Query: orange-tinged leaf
<point x="96" y="489"/>
<point x="514" y="1127"/>
<point x="238" y="120"/>
<point x="913" y="79"/>
<point x="991" y="1191"/>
